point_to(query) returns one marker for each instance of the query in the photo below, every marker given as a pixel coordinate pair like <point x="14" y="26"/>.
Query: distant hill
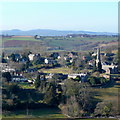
<point x="49" y="32"/>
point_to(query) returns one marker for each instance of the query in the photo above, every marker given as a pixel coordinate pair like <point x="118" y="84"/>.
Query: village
<point x="83" y="66"/>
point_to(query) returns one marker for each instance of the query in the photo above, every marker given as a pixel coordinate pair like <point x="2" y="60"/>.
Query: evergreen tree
<point x="37" y="81"/>
<point x="13" y="57"/>
<point x="7" y="75"/>
<point x="3" y="60"/>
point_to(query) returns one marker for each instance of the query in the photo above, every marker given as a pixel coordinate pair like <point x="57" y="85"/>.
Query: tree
<point x="92" y="80"/>
<point x="104" y="108"/>
<point x="37" y="81"/>
<point x="13" y="88"/>
<point x="13" y="57"/>
<point x="83" y="97"/>
<point x="96" y="80"/>
<point x="50" y="97"/>
<point x="71" y="108"/>
<point x="3" y="60"/>
<point x="78" y="78"/>
<point x="103" y="80"/>
<point x="7" y="75"/>
<point x="115" y="59"/>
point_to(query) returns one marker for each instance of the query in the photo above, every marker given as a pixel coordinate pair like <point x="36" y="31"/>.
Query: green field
<point x="19" y="38"/>
<point x="65" y="43"/>
<point x="58" y="70"/>
<point x="26" y="86"/>
<point x="37" y="113"/>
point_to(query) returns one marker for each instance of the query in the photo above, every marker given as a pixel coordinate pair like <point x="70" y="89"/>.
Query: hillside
<point x="51" y="43"/>
<point x="49" y="32"/>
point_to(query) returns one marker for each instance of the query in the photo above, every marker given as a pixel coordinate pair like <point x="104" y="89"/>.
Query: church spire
<point x="98" y="60"/>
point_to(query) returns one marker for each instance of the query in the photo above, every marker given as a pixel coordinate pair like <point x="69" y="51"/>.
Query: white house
<point x="75" y="75"/>
<point x="59" y="57"/>
<point x="19" y="79"/>
<point x="49" y="76"/>
<point x="46" y="61"/>
<point x="31" y="57"/>
<point x="83" y="76"/>
<point x="110" y="69"/>
<point x="5" y="68"/>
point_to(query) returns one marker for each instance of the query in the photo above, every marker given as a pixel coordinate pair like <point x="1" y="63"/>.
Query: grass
<point x="37" y="113"/>
<point x="58" y="70"/>
<point x="26" y="86"/>
<point x="19" y="38"/>
<point x="107" y="93"/>
<point x="75" y="43"/>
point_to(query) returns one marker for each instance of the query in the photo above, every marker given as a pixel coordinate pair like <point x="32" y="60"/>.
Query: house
<point x="105" y="63"/>
<point x="49" y="76"/>
<point x="49" y="61"/>
<point x="83" y="57"/>
<point x="42" y="76"/>
<point x="72" y="54"/>
<point x="30" y="70"/>
<point x="17" y="57"/>
<point x="54" y="55"/>
<point x="46" y="61"/>
<point x="91" y="62"/>
<point x="37" y="37"/>
<point x="109" y="54"/>
<point x="110" y="69"/>
<point x="83" y="76"/>
<point x="58" y="57"/>
<point x="19" y="79"/>
<point x="31" y="57"/>
<point x="6" y="68"/>
<point x="71" y="61"/>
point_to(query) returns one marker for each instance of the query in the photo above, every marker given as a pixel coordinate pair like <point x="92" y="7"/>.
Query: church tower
<point x="98" y="60"/>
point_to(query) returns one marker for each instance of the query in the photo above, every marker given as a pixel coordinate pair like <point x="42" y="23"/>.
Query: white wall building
<point x="19" y="79"/>
<point x="31" y="57"/>
<point x="46" y="61"/>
